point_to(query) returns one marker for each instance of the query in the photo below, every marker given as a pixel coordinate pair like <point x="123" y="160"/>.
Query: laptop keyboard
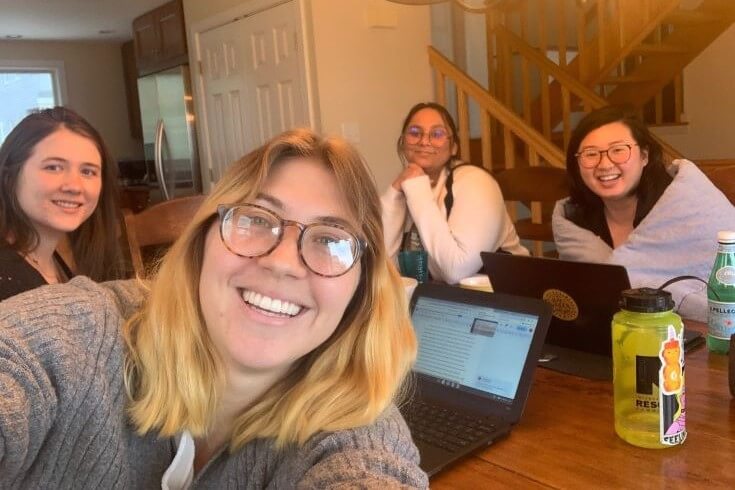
<point x="443" y="427"/>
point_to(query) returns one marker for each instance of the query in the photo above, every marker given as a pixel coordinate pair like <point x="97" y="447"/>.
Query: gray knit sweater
<point x="63" y="424"/>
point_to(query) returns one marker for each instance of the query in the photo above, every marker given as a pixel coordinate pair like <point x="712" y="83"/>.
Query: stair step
<point x="627" y="79"/>
<point x="688" y="17"/>
<point x="650" y="48"/>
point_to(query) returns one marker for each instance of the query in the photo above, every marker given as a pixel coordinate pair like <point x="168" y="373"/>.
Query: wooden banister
<point x="570" y="88"/>
<point x="487" y="103"/>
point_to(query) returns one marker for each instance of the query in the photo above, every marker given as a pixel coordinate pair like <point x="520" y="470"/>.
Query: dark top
<point x="587" y="210"/>
<point x="17" y="275"/>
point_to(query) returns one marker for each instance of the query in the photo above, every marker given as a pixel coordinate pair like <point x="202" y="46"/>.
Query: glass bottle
<point x="721" y="295"/>
<point x="648" y="370"/>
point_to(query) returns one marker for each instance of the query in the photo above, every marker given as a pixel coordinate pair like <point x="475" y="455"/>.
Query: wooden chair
<point x="157" y="226"/>
<point x="724" y="179"/>
<point x="538" y="188"/>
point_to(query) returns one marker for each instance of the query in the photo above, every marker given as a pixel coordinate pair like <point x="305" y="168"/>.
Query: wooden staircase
<point x="626" y="51"/>
<point x="549" y="61"/>
<point x="673" y="44"/>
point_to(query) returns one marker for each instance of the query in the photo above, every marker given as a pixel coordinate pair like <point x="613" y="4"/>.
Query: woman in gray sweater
<point x="266" y="353"/>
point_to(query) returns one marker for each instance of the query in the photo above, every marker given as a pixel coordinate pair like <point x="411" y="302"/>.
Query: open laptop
<point x="476" y="357"/>
<point x="584" y="297"/>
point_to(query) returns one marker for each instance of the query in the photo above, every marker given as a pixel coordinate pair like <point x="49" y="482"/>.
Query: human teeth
<point x="605" y="178"/>
<point x="270" y="304"/>
<point x="67" y="204"/>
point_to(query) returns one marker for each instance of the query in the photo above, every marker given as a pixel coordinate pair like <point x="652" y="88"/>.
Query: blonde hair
<point x="173" y="373"/>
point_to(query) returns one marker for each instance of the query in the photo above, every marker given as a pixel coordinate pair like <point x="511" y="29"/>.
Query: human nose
<point x="424" y="139"/>
<point x="604" y="156"/>
<point x="72" y="183"/>
<point x="285" y="259"/>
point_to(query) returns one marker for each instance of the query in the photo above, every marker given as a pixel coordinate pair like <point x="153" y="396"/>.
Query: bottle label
<point x="726" y="248"/>
<point x="672" y="411"/>
<point x="726" y="275"/>
<point x="721" y="319"/>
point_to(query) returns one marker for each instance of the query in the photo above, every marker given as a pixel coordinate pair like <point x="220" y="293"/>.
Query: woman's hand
<point x="411" y="171"/>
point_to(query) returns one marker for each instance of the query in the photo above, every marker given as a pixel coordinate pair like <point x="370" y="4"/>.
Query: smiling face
<point x="429" y="157"/>
<point x="265" y="313"/>
<point x="608" y="180"/>
<point x="60" y="183"/>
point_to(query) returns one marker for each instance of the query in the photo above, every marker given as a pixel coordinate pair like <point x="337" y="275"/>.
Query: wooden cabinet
<point x="159" y="37"/>
<point x="131" y="89"/>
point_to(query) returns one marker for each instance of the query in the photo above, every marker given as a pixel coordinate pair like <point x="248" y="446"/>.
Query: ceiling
<point x="77" y="20"/>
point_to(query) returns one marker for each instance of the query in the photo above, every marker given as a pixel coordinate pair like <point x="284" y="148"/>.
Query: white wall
<point x="709" y="104"/>
<point x="95" y="86"/>
<point x="371" y="76"/>
<point x="366" y="77"/>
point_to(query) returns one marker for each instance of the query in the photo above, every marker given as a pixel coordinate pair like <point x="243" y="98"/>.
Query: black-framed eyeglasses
<point x="415" y="134"/>
<point x="618" y="154"/>
<point x="326" y="249"/>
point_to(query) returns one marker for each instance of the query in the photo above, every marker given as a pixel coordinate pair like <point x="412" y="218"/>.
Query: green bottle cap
<point x="646" y="300"/>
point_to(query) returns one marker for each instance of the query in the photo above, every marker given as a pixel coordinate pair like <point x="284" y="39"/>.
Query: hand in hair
<point x="409" y="172"/>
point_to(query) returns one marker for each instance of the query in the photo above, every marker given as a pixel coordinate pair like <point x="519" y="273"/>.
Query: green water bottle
<point x="721" y="295"/>
<point x="648" y="369"/>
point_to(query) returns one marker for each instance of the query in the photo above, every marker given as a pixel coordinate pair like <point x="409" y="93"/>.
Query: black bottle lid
<point x="646" y="300"/>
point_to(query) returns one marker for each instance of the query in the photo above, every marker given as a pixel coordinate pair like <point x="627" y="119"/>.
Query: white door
<point x="253" y="81"/>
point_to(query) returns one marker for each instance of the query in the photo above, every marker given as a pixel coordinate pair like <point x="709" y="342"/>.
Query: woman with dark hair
<point x="626" y="207"/>
<point x="452" y="209"/>
<point x="57" y="181"/>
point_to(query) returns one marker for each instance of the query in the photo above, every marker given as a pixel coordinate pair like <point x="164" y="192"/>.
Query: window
<point x="26" y="86"/>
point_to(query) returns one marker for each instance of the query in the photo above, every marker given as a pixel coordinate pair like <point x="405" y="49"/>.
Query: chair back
<point x="724" y="179"/>
<point x="158" y="225"/>
<point x="538" y="188"/>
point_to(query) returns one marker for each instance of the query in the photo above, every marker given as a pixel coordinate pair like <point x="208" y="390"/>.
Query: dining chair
<point x="157" y="227"/>
<point x="538" y="188"/>
<point x="724" y="179"/>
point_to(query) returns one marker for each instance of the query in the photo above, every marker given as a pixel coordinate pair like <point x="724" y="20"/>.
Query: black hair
<point x="585" y="208"/>
<point x="446" y="117"/>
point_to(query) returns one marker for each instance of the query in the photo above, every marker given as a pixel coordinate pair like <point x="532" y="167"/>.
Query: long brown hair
<point x="94" y="244"/>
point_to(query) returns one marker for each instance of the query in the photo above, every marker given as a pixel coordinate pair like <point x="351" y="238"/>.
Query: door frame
<point x="306" y="59"/>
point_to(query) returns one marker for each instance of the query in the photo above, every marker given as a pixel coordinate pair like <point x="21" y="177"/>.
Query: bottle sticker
<point x="726" y="248"/>
<point x="726" y="275"/>
<point x="721" y="319"/>
<point x="672" y="414"/>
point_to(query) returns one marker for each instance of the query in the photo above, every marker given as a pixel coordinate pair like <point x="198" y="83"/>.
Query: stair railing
<point x="495" y="119"/>
<point x="560" y="93"/>
<point x="606" y="32"/>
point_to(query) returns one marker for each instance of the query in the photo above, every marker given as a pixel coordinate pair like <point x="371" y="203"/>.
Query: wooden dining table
<point x="566" y="438"/>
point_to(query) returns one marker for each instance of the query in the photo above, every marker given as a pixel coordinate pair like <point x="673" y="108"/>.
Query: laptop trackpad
<point x="577" y="363"/>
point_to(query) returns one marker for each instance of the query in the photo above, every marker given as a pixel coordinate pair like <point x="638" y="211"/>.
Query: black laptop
<point x="476" y="357"/>
<point x="584" y="297"/>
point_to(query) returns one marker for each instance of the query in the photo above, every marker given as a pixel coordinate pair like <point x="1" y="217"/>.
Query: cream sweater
<point x="477" y="223"/>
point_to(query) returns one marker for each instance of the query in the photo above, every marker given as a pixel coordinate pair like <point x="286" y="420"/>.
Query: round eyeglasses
<point x="437" y="136"/>
<point x="618" y="154"/>
<point x="326" y="249"/>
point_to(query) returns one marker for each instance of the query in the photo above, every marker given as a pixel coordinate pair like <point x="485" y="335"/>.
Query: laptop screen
<point x="470" y="347"/>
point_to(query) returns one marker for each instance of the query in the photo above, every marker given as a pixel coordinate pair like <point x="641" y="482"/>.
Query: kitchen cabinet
<point x="130" y="73"/>
<point x="159" y="37"/>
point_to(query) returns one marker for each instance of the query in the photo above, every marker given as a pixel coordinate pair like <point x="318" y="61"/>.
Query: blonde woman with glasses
<point x="267" y="352"/>
<point x="451" y="209"/>
<point x="627" y="207"/>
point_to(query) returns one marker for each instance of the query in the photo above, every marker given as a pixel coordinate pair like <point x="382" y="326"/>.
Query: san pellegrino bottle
<point x="721" y="295"/>
<point x="648" y="370"/>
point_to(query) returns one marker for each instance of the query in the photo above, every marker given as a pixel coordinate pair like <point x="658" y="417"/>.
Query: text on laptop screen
<point x="472" y="347"/>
